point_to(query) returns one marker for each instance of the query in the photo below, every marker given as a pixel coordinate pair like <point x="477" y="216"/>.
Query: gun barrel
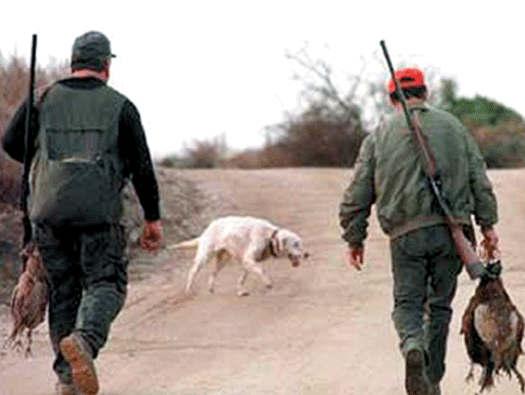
<point x="29" y="114"/>
<point x="31" y="90"/>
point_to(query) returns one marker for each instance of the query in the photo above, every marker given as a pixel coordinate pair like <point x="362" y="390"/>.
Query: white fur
<point x="245" y="239"/>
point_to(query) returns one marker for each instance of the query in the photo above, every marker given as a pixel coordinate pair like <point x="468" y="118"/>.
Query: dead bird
<point x="493" y="329"/>
<point x="29" y="299"/>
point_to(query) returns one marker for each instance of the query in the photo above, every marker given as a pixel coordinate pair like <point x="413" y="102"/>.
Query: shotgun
<point x="28" y="132"/>
<point x="473" y="264"/>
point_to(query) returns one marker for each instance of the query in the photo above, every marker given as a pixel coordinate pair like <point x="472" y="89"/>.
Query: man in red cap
<point x="425" y="262"/>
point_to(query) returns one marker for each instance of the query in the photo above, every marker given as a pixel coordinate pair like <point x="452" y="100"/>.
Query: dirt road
<point x="323" y="329"/>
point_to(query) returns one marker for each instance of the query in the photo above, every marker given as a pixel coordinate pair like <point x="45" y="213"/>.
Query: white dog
<point x="245" y="239"/>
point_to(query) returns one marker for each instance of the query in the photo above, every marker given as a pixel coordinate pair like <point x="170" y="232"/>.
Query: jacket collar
<point x="418" y="106"/>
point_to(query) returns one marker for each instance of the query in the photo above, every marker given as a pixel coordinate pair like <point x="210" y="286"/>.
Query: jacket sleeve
<point x="135" y="153"/>
<point x="485" y="204"/>
<point x="14" y="137"/>
<point x="358" y="198"/>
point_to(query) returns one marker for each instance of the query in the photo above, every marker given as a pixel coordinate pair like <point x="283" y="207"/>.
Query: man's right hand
<point x="355" y="256"/>
<point x="490" y="243"/>
<point x="152" y="236"/>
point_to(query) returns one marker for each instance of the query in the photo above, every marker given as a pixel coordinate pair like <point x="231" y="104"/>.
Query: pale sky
<point x="196" y="69"/>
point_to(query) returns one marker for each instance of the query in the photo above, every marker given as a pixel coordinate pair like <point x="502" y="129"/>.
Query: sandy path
<point x="323" y="329"/>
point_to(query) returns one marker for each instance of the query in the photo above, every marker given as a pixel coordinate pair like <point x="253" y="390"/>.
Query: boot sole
<point x="415" y="380"/>
<point x="82" y="367"/>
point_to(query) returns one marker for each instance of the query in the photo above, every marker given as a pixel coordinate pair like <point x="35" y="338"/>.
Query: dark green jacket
<point x="388" y="172"/>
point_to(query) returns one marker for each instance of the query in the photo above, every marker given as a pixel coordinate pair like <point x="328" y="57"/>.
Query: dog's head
<point x="287" y="243"/>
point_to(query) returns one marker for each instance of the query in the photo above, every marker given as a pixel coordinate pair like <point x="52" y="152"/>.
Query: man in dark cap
<point x="87" y="142"/>
<point x="425" y="262"/>
<point x="90" y="51"/>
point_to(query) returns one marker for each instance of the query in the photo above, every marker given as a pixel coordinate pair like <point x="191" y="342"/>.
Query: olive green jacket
<point x="389" y="173"/>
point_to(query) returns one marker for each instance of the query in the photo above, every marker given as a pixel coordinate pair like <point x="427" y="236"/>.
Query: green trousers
<point x="87" y="283"/>
<point x="425" y="267"/>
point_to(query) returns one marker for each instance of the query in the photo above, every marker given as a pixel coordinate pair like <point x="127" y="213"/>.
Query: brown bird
<point x="29" y="299"/>
<point x="493" y="329"/>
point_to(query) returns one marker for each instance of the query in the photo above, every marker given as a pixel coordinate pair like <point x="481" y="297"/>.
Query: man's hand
<point x="490" y="243"/>
<point x="355" y="256"/>
<point x="152" y="236"/>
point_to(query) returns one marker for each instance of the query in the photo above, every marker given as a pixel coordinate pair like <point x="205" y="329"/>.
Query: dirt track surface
<point x="323" y="329"/>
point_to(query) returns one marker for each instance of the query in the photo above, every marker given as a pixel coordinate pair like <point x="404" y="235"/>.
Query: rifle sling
<point x="429" y="165"/>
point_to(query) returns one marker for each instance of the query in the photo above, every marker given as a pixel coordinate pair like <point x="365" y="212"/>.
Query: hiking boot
<point x="79" y="356"/>
<point x="66" y="389"/>
<point x="433" y="389"/>
<point x="415" y="380"/>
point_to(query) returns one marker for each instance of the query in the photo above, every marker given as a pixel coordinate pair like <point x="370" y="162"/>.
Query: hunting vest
<point x="76" y="175"/>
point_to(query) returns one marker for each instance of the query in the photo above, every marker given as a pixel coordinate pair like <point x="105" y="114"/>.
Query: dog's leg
<point x="241" y="291"/>
<point x="211" y="282"/>
<point x="201" y="259"/>
<point x="254" y="267"/>
<point x="213" y="275"/>
<point x="222" y="257"/>
<point x="191" y="275"/>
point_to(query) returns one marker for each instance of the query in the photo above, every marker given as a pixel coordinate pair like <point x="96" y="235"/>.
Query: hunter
<point x="425" y="262"/>
<point x="87" y="141"/>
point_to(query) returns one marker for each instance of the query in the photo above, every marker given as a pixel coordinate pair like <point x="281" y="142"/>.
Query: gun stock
<point x="473" y="264"/>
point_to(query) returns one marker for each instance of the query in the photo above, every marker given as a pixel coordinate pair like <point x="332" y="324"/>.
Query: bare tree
<point x="329" y="129"/>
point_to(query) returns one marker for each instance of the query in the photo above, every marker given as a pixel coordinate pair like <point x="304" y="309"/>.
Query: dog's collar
<point x="272" y="239"/>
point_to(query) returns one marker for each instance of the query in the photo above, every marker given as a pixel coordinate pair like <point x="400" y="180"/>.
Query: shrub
<point x="502" y="146"/>
<point x="204" y="154"/>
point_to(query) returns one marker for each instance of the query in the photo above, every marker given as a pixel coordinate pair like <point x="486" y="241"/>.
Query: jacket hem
<point x="422" y="222"/>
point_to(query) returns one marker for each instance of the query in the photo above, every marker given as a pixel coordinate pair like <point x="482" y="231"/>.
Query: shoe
<point x="66" y="389"/>
<point x="415" y="380"/>
<point x="434" y="389"/>
<point x="79" y="356"/>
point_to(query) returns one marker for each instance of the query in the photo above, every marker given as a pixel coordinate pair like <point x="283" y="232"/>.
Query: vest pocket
<point x="73" y="144"/>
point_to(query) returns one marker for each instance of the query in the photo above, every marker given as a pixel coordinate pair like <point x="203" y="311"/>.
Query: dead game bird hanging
<point x="29" y="299"/>
<point x="493" y="328"/>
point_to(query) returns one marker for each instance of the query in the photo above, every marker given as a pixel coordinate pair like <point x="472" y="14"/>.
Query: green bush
<point x="502" y="146"/>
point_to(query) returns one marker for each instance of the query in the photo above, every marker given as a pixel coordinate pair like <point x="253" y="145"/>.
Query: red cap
<point x="407" y="78"/>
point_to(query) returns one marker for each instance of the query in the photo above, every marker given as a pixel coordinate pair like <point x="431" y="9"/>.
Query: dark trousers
<point x="87" y="283"/>
<point x="425" y="266"/>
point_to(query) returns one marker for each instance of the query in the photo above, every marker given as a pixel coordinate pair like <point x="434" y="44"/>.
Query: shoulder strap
<point x="425" y="153"/>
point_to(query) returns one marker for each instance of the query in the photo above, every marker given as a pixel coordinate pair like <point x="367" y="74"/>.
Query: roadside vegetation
<point x="339" y="110"/>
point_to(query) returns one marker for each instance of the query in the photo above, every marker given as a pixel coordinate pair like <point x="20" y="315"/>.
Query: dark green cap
<point x="90" y="50"/>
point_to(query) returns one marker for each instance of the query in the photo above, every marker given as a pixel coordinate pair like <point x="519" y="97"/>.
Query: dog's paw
<point x="243" y="292"/>
<point x="268" y="291"/>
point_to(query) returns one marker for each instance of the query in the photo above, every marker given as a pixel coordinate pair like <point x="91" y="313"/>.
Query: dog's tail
<point x="193" y="243"/>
